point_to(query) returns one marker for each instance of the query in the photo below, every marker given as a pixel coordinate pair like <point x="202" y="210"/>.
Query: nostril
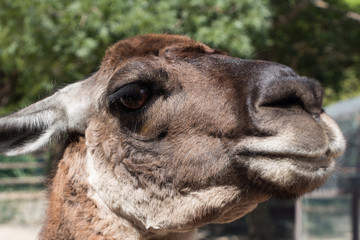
<point x="290" y="94"/>
<point x="287" y="102"/>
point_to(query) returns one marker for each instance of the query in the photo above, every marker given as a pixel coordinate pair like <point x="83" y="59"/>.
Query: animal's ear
<point x="34" y="127"/>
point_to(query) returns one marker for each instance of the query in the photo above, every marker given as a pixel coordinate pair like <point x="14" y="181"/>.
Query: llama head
<point x="179" y="135"/>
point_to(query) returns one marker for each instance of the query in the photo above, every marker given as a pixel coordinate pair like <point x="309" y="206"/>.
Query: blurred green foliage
<point x="353" y="3"/>
<point x="319" y="39"/>
<point x="47" y="44"/>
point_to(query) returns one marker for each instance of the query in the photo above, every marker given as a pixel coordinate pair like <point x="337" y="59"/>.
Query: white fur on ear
<point x="34" y="127"/>
<point x="21" y="134"/>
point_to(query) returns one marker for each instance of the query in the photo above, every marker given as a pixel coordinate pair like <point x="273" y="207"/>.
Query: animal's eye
<point x="132" y="96"/>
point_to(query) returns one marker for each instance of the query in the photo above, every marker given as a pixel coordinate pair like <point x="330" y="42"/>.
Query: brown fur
<point x="71" y="214"/>
<point x="217" y="136"/>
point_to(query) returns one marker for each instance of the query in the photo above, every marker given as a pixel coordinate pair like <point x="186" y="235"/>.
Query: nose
<point x="282" y="89"/>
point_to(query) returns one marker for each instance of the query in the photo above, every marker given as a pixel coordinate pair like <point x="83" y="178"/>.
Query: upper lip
<point x="277" y="147"/>
<point x="285" y="154"/>
<point x="308" y="162"/>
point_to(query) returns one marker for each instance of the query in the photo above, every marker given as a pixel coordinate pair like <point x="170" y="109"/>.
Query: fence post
<point x="298" y="219"/>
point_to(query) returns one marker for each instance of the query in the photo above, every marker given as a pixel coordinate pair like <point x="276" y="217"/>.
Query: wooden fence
<point x="28" y="182"/>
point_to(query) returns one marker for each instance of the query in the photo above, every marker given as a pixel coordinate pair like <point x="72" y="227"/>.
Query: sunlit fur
<point x="217" y="136"/>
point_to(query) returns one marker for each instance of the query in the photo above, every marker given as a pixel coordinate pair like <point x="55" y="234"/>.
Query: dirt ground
<point x="16" y="232"/>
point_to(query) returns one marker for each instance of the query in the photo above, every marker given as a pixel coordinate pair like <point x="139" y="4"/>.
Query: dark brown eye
<point x="135" y="99"/>
<point x="132" y="96"/>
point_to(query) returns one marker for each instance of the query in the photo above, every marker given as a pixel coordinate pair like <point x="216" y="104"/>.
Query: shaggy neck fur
<point x="73" y="215"/>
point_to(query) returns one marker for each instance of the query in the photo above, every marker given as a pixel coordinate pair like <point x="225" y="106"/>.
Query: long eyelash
<point x="114" y="98"/>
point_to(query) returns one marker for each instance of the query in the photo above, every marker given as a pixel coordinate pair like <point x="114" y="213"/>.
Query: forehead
<point x="167" y="46"/>
<point x="153" y="57"/>
<point x="190" y="74"/>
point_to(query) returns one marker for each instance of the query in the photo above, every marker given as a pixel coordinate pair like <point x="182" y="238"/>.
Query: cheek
<point x="198" y="161"/>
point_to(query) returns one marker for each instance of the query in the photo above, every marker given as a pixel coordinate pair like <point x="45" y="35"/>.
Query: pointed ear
<point x="34" y="127"/>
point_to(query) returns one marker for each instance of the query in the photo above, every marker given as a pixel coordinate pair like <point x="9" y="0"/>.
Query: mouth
<point x="308" y="164"/>
<point x="290" y="175"/>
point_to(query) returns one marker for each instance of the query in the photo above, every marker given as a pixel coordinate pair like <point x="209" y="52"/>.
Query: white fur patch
<point x="161" y="210"/>
<point x="336" y="138"/>
<point x="278" y="160"/>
